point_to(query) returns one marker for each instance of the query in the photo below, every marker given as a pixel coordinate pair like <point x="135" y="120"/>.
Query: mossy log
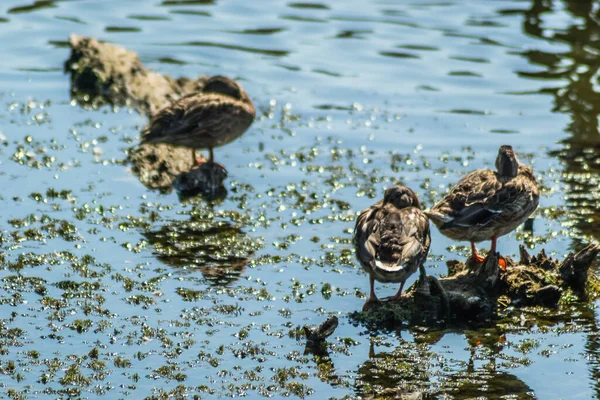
<point x="106" y="73"/>
<point x="472" y="291"/>
<point x="158" y="165"/>
<point x="103" y="73"/>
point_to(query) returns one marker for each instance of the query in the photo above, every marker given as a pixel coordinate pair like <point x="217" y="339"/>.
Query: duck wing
<point x="480" y="198"/>
<point x="474" y="214"/>
<point x="366" y="233"/>
<point x="198" y="115"/>
<point x="169" y="119"/>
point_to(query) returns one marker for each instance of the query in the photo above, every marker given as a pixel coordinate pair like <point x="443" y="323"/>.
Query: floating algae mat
<point x="114" y="285"/>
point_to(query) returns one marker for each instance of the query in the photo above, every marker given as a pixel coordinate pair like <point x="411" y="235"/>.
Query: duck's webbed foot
<point x="475" y="254"/>
<point x="197" y="160"/>
<point x="478" y="258"/>
<point x="502" y="262"/>
<point x="372" y="299"/>
<point x="397" y="295"/>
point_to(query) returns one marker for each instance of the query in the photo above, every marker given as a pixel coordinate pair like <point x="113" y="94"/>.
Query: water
<point x="124" y="292"/>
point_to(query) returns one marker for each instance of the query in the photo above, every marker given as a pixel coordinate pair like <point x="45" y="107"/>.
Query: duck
<point x="486" y="204"/>
<point x="212" y="117"/>
<point x="392" y="239"/>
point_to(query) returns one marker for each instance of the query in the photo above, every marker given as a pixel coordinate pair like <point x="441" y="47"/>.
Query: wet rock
<point x="574" y="270"/>
<point x="547" y="296"/>
<point x="205" y="180"/>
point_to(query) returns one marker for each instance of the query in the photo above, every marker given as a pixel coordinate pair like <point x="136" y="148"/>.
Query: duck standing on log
<point x="486" y="204"/>
<point x="218" y="114"/>
<point x="392" y="239"/>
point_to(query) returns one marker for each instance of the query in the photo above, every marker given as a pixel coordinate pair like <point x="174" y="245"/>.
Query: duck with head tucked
<point x="218" y="114"/>
<point x="392" y="239"/>
<point x="486" y="204"/>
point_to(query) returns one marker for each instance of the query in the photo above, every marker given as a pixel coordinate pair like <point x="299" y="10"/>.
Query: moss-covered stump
<point x="105" y="73"/>
<point x="472" y="291"/>
<point x="102" y="73"/>
<point x="157" y="165"/>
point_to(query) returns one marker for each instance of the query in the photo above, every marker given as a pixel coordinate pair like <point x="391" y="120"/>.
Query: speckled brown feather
<point x="391" y="243"/>
<point x="201" y="120"/>
<point x="484" y="204"/>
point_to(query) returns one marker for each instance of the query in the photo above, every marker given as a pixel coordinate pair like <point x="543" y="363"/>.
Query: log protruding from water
<point x="106" y="73"/>
<point x="472" y="291"/>
<point x="103" y="73"/>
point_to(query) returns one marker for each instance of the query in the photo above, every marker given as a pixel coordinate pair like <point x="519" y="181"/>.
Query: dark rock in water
<point x="205" y="180"/>
<point x="472" y="291"/>
<point x="548" y="296"/>
<point x="105" y="73"/>
<point x="575" y="268"/>
<point x="161" y="166"/>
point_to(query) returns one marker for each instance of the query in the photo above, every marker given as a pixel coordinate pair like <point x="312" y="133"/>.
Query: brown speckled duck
<point x="392" y="239"/>
<point x="213" y="117"/>
<point x="486" y="204"/>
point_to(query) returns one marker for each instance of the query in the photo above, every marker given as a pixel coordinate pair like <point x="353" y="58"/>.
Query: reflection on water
<point x="407" y="370"/>
<point x="576" y="92"/>
<point x="403" y="371"/>
<point x="489" y="384"/>
<point x="187" y="2"/>
<point x="218" y="249"/>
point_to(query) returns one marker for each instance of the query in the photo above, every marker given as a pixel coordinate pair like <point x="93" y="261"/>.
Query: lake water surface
<point x="112" y="290"/>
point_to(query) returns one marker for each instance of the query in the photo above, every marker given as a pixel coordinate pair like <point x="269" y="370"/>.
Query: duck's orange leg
<point x="197" y="160"/>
